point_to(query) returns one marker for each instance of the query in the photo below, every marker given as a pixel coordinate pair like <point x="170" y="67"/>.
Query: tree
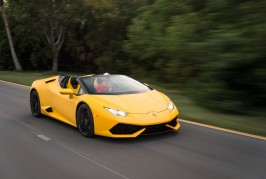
<point x="54" y="18"/>
<point x="107" y="22"/>
<point x="233" y="71"/>
<point x="214" y="48"/>
<point x="18" y="67"/>
<point x="161" y="38"/>
<point x="54" y="36"/>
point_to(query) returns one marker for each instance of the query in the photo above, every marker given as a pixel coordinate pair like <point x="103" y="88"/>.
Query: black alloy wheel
<point x="85" y="121"/>
<point x="35" y="104"/>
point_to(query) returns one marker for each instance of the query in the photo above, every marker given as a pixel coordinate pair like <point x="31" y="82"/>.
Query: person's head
<point x="101" y="80"/>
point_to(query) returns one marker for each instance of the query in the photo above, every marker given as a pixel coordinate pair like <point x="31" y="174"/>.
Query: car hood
<point x="152" y="101"/>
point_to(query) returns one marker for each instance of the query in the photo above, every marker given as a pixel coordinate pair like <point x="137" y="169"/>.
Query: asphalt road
<point x="33" y="148"/>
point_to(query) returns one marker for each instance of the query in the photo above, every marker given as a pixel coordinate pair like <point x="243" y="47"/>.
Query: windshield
<point x="113" y="84"/>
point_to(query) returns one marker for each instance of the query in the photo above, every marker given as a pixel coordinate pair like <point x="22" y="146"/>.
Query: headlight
<point x="116" y="112"/>
<point x="171" y="106"/>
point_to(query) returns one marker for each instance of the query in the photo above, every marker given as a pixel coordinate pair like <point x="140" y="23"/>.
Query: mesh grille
<point x="173" y="123"/>
<point x="150" y="129"/>
<point x="125" y="129"/>
<point x="154" y="129"/>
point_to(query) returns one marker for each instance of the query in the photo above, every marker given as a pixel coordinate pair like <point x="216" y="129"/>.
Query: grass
<point x="253" y="124"/>
<point x="26" y="78"/>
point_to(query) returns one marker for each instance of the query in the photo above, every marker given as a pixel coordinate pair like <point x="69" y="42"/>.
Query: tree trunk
<point x="13" y="53"/>
<point x="54" y="37"/>
<point x="55" y="61"/>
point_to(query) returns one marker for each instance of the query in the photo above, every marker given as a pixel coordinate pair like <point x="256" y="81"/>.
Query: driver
<point x="104" y="85"/>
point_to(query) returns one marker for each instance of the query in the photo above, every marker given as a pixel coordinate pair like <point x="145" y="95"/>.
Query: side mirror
<point x="67" y="92"/>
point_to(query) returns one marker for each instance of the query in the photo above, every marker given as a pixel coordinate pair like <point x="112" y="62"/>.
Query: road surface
<point x="33" y="148"/>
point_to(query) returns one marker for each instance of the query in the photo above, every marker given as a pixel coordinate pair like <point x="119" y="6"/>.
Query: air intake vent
<point x="125" y="129"/>
<point x="49" y="109"/>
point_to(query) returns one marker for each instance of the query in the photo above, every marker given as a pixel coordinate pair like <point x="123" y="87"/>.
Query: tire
<point x="35" y="104"/>
<point x="85" y="123"/>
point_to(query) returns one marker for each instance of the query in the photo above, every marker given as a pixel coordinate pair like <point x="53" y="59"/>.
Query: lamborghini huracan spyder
<point x="106" y="105"/>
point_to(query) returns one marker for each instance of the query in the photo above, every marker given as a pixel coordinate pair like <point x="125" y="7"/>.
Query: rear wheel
<point x="35" y="104"/>
<point x="85" y="121"/>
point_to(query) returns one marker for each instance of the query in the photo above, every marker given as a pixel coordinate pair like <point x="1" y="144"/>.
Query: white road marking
<point x="91" y="160"/>
<point x="43" y="137"/>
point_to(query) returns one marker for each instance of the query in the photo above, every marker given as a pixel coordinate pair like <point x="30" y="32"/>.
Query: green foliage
<point x="214" y="49"/>
<point x="232" y="76"/>
<point x="106" y="24"/>
<point x="95" y="31"/>
<point x="163" y="35"/>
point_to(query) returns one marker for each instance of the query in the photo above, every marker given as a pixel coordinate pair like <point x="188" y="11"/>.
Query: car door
<point x="63" y="105"/>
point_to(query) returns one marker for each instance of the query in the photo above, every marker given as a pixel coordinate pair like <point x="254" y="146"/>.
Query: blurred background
<point x="213" y="52"/>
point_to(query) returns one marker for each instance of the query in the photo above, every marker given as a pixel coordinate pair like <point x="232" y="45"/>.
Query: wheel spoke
<point x="35" y="104"/>
<point x="36" y="107"/>
<point x="84" y="122"/>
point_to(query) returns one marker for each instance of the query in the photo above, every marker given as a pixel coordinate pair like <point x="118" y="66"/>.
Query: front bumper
<point x="121" y="130"/>
<point x="135" y="124"/>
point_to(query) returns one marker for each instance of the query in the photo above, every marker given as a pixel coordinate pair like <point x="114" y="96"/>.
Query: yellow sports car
<point x="106" y="105"/>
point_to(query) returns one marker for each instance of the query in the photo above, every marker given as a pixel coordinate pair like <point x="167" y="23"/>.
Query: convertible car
<point x="106" y="105"/>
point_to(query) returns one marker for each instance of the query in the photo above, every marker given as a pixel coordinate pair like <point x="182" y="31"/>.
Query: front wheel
<point x="85" y="121"/>
<point x="35" y="104"/>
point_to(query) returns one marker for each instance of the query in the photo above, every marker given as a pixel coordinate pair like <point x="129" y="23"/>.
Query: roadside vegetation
<point x="253" y="123"/>
<point x="208" y="55"/>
